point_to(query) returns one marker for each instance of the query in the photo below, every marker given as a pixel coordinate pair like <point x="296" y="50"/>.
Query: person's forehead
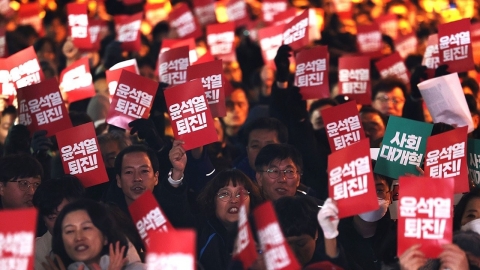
<point x="29" y="179"/>
<point x="263" y="134"/>
<point x="136" y="159"/>
<point x="380" y="181"/>
<point x="395" y="91"/>
<point x="371" y="117"/>
<point x="238" y="95"/>
<point x="288" y="162"/>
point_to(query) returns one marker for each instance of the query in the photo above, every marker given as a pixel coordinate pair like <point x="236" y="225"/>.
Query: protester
<point x="388" y="96"/>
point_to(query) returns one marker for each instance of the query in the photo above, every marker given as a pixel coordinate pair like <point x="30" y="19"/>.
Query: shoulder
<point x="135" y="266"/>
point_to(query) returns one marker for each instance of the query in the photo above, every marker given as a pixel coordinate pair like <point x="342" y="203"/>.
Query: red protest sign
<point x="343" y="8"/>
<point x="350" y="180"/>
<point x="311" y="73"/>
<point x="128" y="31"/>
<point x="172" y="66"/>
<point x="29" y="14"/>
<point x="149" y="218"/>
<point x="271" y="38"/>
<point x="244" y="249"/>
<point x="156" y="12"/>
<point x="205" y="11"/>
<point x="113" y="74"/>
<point x="425" y="214"/>
<point x="97" y="29"/>
<point x="220" y="39"/>
<point x="393" y="65"/>
<point x="270" y="8"/>
<point x="79" y="150"/>
<point x="406" y="45"/>
<point x="369" y="40"/>
<point x="76" y="81"/>
<point x="6" y="85"/>
<point x="388" y="24"/>
<point x="285" y="17"/>
<point x="207" y="57"/>
<point x="431" y="58"/>
<point x="182" y="20"/>
<point x="17" y="231"/>
<point x="211" y="75"/>
<point x="190" y="115"/>
<point x="133" y="99"/>
<point x="295" y="32"/>
<point x="24" y="68"/>
<point x="78" y="25"/>
<point x="475" y="32"/>
<point x="354" y="78"/>
<point x="445" y="157"/>
<point x="3" y="43"/>
<point x="237" y="12"/>
<point x="455" y="45"/>
<point x="343" y="125"/>
<point x="168" y="44"/>
<point x="276" y="251"/>
<point x="41" y="108"/>
<point x="172" y="250"/>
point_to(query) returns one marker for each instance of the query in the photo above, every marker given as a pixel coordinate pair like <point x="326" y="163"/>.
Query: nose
<point x="282" y="177"/>
<point x="31" y="189"/>
<point x="137" y="177"/>
<point x="78" y="235"/>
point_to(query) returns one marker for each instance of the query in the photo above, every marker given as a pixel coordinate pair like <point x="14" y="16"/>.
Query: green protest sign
<point x="473" y="160"/>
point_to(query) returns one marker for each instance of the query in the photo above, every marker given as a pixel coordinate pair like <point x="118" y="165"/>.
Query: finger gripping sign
<point x="172" y="250"/>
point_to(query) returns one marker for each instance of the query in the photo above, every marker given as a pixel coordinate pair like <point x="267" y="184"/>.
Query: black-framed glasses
<point x="288" y="173"/>
<point x="394" y="100"/>
<point x="24" y="185"/>
<point x="226" y="195"/>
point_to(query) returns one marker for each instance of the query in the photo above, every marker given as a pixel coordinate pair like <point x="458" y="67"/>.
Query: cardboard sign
<point x="78" y="25"/>
<point x="172" y="250"/>
<point x="190" y="115"/>
<point x="237" y="12"/>
<point x="17" y="234"/>
<point x="455" y="45"/>
<point x="24" y="68"/>
<point x="311" y="73"/>
<point x="406" y="45"/>
<point x="271" y="38"/>
<point x="276" y="251"/>
<point x="113" y="74"/>
<point x="270" y="8"/>
<point x="369" y="40"/>
<point x="475" y="33"/>
<point x="388" y="24"/>
<point x="431" y="57"/>
<point x="127" y="29"/>
<point x="244" y="249"/>
<point x="403" y="146"/>
<point x="205" y="11"/>
<point x="350" y="180"/>
<point x="343" y="125"/>
<point x="285" y="17"/>
<point x="220" y="39"/>
<point x="29" y="14"/>
<point x="81" y="154"/>
<point x="354" y="78"/>
<point x="3" y="43"/>
<point x="172" y="66"/>
<point x="76" y="81"/>
<point x="425" y="214"/>
<point x="168" y="44"/>
<point x="296" y="32"/>
<point x="445" y="157"/>
<point x="212" y="78"/>
<point x="149" y="218"/>
<point x="133" y="99"/>
<point x="182" y="20"/>
<point x="393" y="65"/>
<point x="473" y="148"/>
<point x="41" y="108"/>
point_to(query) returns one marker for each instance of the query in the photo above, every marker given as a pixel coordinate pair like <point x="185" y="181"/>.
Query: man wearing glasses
<point x="388" y="96"/>
<point x="20" y="176"/>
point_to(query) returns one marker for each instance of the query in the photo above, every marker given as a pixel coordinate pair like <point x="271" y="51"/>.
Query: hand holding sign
<point x="328" y="219"/>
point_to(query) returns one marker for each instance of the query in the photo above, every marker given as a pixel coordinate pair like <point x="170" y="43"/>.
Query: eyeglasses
<point x="394" y="100"/>
<point x="288" y="173"/>
<point x="227" y="195"/>
<point x="24" y="185"/>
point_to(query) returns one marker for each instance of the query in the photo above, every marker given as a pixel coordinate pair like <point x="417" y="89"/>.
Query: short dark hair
<point x="461" y="206"/>
<point x="272" y="152"/>
<point x="101" y="219"/>
<point x="10" y="110"/>
<point x="387" y="179"/>
<point x="17" y="166"/>
<point x="51" y="193"/>
<point x="267" y="123"/>
<point x="387" y="85"/>
<point x="133" y="149"/>
<point x="297" y="215"/>
<point x="115" y="136"/>
<point x="320" y="103"/>
<point x="472" y="84"/>
<point x="206" y="199"/>
<point x="370" y="109"/>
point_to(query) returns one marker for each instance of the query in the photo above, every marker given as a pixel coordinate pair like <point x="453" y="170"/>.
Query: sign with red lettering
<point x="113" y="74"/>
<point x="220" y="39"/>
<point x="393" y="65"/>
<point x="295" y="32"/>
<point x="350" y="180"/>
<point x="343" y="125"/>
<point x="445" y="157"/>
<point x="76" y="81"/>
<point x="205" y="11"/>
<point x="369" y="40"/>
<point x="425" y="214"/>
<point x="172" y="250"/>
<point x="354" y="78"/>
<point x="172" y="68"/>
<point x="81" y="156"/>
<point x="270" y="8"/>
<point x="244" y="248"/>
<point x="271" y="38"/>
<point x="431" y="57"/>
<point x="276" y="251"/>
<point x="24" y="68"/>
<point x="168" y="44"/>
<point x="237" y="12"/>
<point x="475" y="32"/>
<point x="78" y="25"/>
<point x="41" y="107"/>
<point x="388" y="24"/>
<point x="17" y="234"/>
<point x="455" y="46"/>
<point x="128" y="31"/>
<point x="406" y="45"/>
<point x="29" y="14"/>
<point x="190" y="115"/>
<point x="3" y="43"/>
<point x="149" y="218"/>
<point x="311" y="73"/>
<point x="285" y="17"/>
<point x="133" y="99"/>
<point x="182" y="20"/>
<point x="211" y="74"/>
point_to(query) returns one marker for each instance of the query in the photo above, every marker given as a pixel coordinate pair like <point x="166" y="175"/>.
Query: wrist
<point x="330" y="234"/>
<point x="174" y="178"/>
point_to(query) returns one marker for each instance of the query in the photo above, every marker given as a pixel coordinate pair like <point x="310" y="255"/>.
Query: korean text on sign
<point x="351" y="125"/>
<point x="212" y="85"/>
<point x="174" y="71"/>
<point x="78" y="25"/>
<point x="80" y="157"/>
<point x="189" y="116"/>
<point x="445" y="162"/>
<point x="276" y="257"/>
<point x="131" y="101"/>
<point x="351" y="180"/>
<point x="153" y="221"/>
<point x="403" y="148"/>
<point x="53" y="102"/>
<point x="26" y="74"/>
<point x="370" y="42"/>
<point x="354" y="81"/>
<point x="398" y="70"/>
<point x="296" y="32"/>
<point x="19" y="245"/>
<point x="455" y="46"/>
<point x="311" y="73"/>
<point x="221" y="43"/>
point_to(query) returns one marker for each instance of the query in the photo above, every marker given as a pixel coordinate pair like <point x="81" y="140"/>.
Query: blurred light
<point x="221" y="12"/>
<point x="14" y="5"/>
<point x="145" y="28"/>
<point x="41" y="14"/>
<point x="51" y="5"/>
<point x="92" y="6"/>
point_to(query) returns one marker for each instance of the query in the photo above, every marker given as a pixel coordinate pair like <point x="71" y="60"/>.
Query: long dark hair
<point x="461" y="206"/>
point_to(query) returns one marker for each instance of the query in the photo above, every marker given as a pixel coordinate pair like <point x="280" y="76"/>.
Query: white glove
<point x="328" y="219"/>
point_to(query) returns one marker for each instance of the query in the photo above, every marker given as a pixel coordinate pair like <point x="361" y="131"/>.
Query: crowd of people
<point x="272" y="146"/>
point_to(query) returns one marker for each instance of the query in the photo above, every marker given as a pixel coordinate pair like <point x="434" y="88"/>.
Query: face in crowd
<point x="390" y="103"/>
<point x="18" y="193"/>
<point x="228" y="201"/>
<point x="279" y="179"/>
<point x="257" y="139"/>
<point x="237" y="109"/>
<point x="373" y="126"/>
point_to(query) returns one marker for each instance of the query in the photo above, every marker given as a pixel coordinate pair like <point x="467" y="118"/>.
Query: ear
<point x="258" y="176"/>
<point x="156" y="177"/>
<point x="119" y="181"/>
